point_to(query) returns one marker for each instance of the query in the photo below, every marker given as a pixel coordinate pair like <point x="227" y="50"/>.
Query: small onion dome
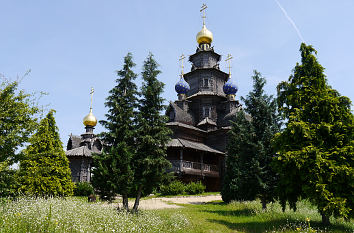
<point x="182" y="87"/>
<point x="90" y="119"/>
<point x="230" y="88"/>
<point x="204" y="36"/>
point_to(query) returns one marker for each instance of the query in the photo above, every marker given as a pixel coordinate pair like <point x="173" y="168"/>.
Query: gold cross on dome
<point x="182" y="57"/>
<point x="203" y="8"/>
<point x="228" y="60"/>
<point x="91" y="93"/>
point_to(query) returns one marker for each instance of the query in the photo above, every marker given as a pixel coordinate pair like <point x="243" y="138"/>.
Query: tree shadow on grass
<point x="242" y="212"/>
<point x="278" y="225"/>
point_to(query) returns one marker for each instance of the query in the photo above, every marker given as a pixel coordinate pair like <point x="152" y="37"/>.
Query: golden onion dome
<point x="204" y="36"/>
<point x="90" y="119"/>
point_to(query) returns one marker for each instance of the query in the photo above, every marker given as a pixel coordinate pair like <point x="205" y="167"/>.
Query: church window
<point x="206" y="111"/>
<point x="205" y="82"/>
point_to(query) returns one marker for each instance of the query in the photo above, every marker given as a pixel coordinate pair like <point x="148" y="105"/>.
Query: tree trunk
<point x="325" y="219"/>
<point x="125" y="202"/>
<point x="264" y="204"/>
<point x="137" y="199"/>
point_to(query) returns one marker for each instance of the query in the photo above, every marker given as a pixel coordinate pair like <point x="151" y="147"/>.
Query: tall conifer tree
<point x="249" y="174"/>
<point x="45" y="170"/>
<point x="114" y="173"/>
<point x="150" y="162"/>
<point x="316" y="149"/>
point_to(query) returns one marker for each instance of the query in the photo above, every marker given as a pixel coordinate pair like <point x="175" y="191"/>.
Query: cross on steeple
<point x="203" y="8"/>
<point x="91" y="93"/>
<point x="182" y="57"/>
<point x="228" y="60"/>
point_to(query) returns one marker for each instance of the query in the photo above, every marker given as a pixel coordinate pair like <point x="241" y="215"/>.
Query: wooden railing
<point x="189" y="166"/>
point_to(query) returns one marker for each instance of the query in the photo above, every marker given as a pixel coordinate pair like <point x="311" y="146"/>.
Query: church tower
<point x="80" y="149"/>
<point x="200" y="118"/>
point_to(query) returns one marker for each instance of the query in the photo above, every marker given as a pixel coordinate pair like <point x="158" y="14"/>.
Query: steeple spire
<point x="230" y="88"/>
<point x="182" y="57"/>
<point x="228" y="60"/>
<point x="204" y="37"/>
<point x="203" y="8"/>
<point x="90" y="120"/>
<point x="91" y="93"/>
<point x="182" y="87"/>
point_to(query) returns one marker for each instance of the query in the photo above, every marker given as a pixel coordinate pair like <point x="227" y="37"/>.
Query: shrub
<point x="174" y="188"/>
<point x="83" y="189"/>
<point x="178" y="188"/>
<point x="195" y="188"/>
<point x="8" y="181"/>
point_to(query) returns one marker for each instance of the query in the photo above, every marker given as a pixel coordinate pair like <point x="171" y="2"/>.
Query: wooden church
<point x="200" y="118"/>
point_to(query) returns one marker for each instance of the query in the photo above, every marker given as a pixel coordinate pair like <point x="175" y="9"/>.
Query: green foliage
<point x="315" y="150"/>
<point x="113" y="172"/>
<point x="248" y="166"/>
<point x="45" y="169"/>
<point x="83" y="189"/>
<point x="17" y="119"/>
<point x="150" y="162"/>
<point x="8" y="181"/>
<point x="176" y="187"/>
<point x="195" y="188"/>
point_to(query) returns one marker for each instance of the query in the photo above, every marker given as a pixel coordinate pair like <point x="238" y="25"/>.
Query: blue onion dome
<point x="182" y="87"/>
<point x="230" y="88"/>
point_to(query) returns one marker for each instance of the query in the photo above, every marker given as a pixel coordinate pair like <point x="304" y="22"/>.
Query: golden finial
<point x="204" y="36"/>
<point x="90" y="119"/>
<point x="203" y="8"/>
<point x="181" y="58"/>
<point x="228" y="60"/>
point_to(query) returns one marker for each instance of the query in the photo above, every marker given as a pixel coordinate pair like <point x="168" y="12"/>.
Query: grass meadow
<point x="77" y="215"/>
<point x="249" y="217"/>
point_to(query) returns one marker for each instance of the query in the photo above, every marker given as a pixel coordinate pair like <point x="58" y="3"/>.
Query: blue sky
<point x="71" y="46"/>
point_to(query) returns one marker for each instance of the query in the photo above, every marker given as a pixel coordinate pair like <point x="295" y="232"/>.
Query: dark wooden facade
<point x="79" y="152"/>
<point x="200" y="121"/>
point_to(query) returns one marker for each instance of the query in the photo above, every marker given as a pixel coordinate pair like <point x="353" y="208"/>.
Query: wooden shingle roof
<point x="179" y="142"/>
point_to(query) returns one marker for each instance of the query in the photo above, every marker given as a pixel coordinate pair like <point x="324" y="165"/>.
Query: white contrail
<point x="290" y="20"/>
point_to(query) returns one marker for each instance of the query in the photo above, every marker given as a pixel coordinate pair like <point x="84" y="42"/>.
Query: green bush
<point x="83" y="189"/>
<point x="178" y="188"/>
<point x="174" y="188"/>
<point x="8" y="181"/>
<point x="195" y="188"/>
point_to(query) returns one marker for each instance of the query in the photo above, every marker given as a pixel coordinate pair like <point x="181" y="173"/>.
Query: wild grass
<point x="76" y="215"/>
<point x="249" y="217"/>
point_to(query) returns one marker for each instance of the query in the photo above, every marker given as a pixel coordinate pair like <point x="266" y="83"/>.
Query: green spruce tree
<point x="45" y="169"/>
<point x="315" y="150"/>
<point x="114" y="173"/>
<point x="150" y="162"/>
<point x="249" y="174"/>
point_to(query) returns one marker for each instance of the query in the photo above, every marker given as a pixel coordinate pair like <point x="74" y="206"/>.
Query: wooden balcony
<point x="194" y="168"/>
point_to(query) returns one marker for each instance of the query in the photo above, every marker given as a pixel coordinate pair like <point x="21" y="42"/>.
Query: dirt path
<point x="169" y="202"/>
